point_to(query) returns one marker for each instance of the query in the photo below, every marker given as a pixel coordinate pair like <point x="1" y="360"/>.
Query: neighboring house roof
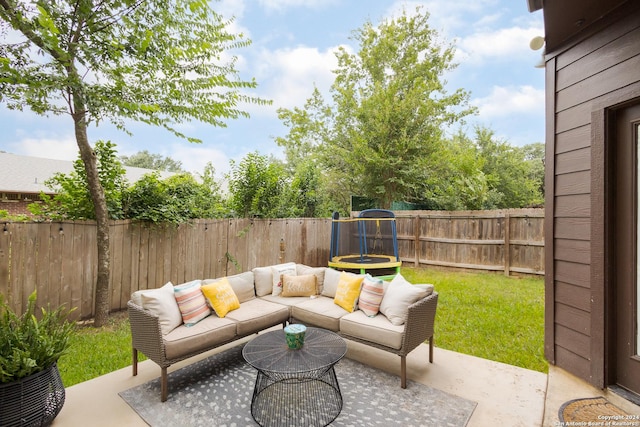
<point x="26" y="174"/>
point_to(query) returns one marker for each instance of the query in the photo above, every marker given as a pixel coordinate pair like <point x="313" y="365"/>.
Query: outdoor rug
<point x="590" y="410"/>
<point x="218" y="390"/>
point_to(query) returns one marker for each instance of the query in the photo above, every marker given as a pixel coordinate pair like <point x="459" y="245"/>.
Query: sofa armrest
<point x="146" y="335"/>
<point x="420" y="322"/>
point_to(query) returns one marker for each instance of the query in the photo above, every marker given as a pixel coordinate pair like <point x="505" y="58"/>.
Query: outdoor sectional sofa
<point x="169" y="324"/>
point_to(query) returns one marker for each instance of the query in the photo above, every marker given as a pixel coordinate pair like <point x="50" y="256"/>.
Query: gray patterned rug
<point x="217" y="392"/>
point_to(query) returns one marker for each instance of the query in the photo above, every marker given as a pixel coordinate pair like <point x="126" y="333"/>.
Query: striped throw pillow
<point x="371" y="295"/>
<point x="191" y="302"/>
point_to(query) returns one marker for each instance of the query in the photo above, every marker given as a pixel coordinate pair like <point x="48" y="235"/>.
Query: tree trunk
<point x="88" y="156"/>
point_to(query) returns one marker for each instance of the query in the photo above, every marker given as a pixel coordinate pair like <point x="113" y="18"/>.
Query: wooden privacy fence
<point x="511" y="241"/>
<point x="59" y="259"/>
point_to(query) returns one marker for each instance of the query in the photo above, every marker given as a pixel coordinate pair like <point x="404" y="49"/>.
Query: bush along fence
<point x="59" y="259"/>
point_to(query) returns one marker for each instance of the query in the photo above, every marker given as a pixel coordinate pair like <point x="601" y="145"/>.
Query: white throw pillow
<point x="276" y="276"/>
<point x="398" y="296"/>
<point x="331" y="280"/>
<point x="263" y="279"/>
<point x="162" y="303"/>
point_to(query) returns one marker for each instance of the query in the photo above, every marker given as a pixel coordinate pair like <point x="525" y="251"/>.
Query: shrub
<point x="29" y="345"/>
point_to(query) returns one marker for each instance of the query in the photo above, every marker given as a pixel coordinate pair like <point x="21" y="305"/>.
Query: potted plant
<point x="31" y="390"/>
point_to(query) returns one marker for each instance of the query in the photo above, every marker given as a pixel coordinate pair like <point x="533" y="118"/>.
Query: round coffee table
<point x="295" y="387"/>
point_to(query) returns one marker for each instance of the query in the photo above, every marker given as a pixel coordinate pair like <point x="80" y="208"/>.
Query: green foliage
<point x="256" y="186"/>
<point x="487" y="173"/>
<point x="303" y="197"/>
<point x="146" y="160"/>
<point x="4" y="215"/>
<point x="534" y="155"/>
<point x="29" y="345"/>
<point x="176" y="199"/>
<point x="152" y="61"/>
<point x="73" y="199"/>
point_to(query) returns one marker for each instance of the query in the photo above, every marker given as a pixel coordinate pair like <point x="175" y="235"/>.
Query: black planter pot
<point x="32" y="401"/>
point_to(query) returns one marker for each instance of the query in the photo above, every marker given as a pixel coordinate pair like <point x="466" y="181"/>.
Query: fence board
<point x="146" y="253"/>
<point x="29" y="283"/>
<point x="60" y="259"/>
<point x="5" y="259"/>
<point x="67" y="272"/>
<point x="116" y="237"/>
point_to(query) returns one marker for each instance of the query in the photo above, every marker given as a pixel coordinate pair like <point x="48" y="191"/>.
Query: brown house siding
<point x="594" y="74"/>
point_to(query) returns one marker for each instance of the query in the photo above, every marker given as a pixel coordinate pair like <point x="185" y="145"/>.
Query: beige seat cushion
<point x="376" y="329"/>
<point x="258" y="314"/>
<point x="320" y="312"/>
<point x="204" y="335"/>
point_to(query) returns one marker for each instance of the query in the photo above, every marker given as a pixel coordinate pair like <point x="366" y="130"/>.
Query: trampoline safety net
<point x="368" y="239"/>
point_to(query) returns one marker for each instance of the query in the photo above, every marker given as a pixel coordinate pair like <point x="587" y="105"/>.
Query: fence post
<point x="507" y="244"/>
<point x="416" y="246"/>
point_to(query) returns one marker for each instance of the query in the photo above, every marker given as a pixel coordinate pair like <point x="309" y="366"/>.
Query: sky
<point x="293" y="45"/>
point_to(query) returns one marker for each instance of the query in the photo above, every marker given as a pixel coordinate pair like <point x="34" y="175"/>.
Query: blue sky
<point x="292" y="48"/>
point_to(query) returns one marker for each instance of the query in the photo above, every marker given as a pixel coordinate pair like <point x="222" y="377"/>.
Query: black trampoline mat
<point x="366" y="259"/>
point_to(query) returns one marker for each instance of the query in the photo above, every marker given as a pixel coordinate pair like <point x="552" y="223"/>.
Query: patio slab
<point x="506" y="395"/>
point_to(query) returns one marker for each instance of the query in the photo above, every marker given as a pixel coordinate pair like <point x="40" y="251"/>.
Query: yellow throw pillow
<point x="221" y="297"/>
<point x="348" y="291"/>
<point x="298" y="286"/>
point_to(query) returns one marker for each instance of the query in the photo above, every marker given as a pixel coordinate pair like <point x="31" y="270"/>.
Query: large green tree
<point x="154" y="61"/>
<point x="383" y="131"/>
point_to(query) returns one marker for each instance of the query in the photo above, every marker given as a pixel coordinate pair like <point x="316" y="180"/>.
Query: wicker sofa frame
<point x="147" y="337"/>
<point x="418" y="329"/>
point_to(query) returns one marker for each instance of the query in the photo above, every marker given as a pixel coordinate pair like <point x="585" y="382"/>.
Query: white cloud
<point x="195" y="157"/>
<point x="62" y="148"/>
<point x="504" y="43"/>
<point x="287" y="75"/>
<point x="280" y="5"/>
<point x="448" y="16"/>
<point x="505" y="101"/>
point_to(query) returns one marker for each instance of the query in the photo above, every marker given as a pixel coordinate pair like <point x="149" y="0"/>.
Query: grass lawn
<point x="97" y="351"/>
<point x="488" y="315"/>
<point x="482" y="314"/>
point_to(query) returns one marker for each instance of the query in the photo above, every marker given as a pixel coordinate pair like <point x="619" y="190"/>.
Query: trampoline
<point x="366" y="244"/>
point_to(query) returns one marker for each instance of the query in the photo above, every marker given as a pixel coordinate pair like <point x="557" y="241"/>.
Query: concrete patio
<point x="506" y="395"/>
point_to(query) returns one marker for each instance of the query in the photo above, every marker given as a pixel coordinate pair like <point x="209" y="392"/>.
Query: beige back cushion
<point x="242" y="285"/>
